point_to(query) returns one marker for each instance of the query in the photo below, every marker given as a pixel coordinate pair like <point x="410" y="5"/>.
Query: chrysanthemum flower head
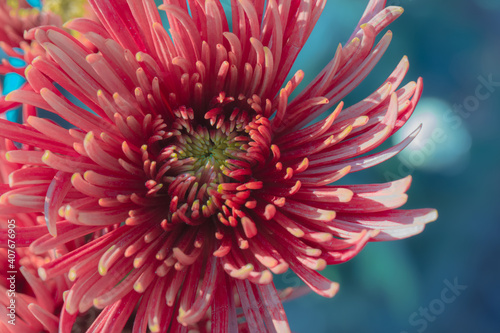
<point x="196" y="174"/>
<point x="37" y="303"/>
<point x="27" y="304"/>
<point x="16" y="17"/>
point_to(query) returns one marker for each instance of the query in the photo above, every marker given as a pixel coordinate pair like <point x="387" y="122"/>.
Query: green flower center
<point x="202" y="165"/>
<point x="207" y="147"/>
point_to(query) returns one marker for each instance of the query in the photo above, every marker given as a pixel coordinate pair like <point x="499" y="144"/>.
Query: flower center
<point x="204" y="147"/>
<point x="200" y="167"/>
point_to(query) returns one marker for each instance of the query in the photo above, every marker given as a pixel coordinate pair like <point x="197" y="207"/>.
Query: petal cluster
<point x="195" y="177"/>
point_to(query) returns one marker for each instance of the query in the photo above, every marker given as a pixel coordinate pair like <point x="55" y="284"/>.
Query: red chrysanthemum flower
<point x="37" y="304"/>
<point x="27" y="304"/>
<point x="13" y="23"/>
<point x="195" y="174"/>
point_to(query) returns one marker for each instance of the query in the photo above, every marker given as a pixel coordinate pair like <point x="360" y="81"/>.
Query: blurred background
<point x="445" y="279"/>
<point x="400" y="286"/>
